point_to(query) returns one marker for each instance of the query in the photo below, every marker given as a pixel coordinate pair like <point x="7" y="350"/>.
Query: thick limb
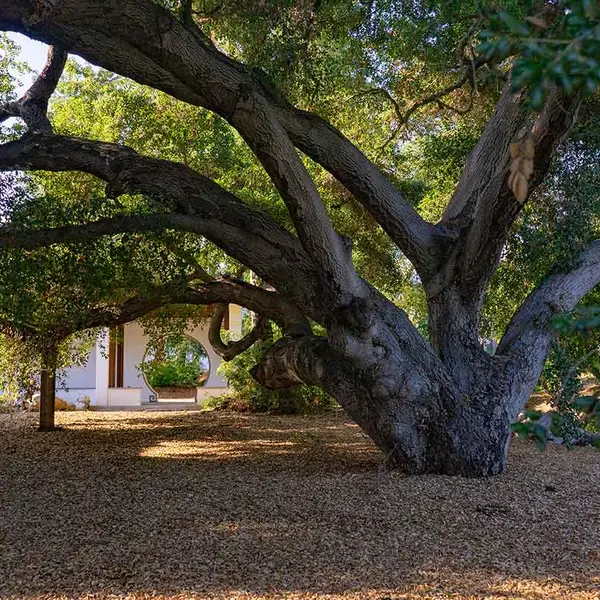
<point x="483" y="207"/>
<point x="558" y="293"/>
<point x="140" y="40"/>
<point x="229" y="350"/>
<point x="201" y="206"/>
<point x="225" y="291"/>
<point x="526" y="342"/>
<point x="32" y="107"/>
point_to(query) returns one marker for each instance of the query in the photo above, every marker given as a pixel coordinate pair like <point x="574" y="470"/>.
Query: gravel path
<point x="194" y="505"/>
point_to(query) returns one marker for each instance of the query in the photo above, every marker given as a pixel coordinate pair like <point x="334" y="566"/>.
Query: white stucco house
<point x="112" y="378"/>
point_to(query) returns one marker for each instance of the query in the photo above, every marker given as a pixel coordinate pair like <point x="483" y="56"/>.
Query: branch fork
<point x="32" y="107"/>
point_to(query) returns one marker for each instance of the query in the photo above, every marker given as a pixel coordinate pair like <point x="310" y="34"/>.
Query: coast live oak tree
<point x="431" y="405"/>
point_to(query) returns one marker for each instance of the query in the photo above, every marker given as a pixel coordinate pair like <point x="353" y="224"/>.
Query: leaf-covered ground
<point x="191" y="505"/>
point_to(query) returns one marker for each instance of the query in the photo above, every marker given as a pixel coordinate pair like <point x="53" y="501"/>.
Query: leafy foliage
<point x="9" y="67"/>
<point x="21" y="363"/>
<point x="576" y="403"/>
<point x="175" y="361"/>
<point x="558" y="45"/>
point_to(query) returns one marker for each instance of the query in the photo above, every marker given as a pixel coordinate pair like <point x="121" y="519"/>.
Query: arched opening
<point x="174" y="367"/>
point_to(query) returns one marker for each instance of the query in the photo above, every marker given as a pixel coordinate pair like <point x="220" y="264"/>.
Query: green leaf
<point x="533" y="415"/>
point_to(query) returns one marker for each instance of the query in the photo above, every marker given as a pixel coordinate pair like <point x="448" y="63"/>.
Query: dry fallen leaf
<point x="522" y="153"/>
<point x="199" y="506"/>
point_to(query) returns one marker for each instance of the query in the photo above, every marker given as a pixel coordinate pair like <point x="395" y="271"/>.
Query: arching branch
<point x="199" y="205"/>
<point x="26" y="239"/>
<point x="32" y="107"/>
<point x="487" y="159"/>
<point x="558" y="293"/>
<point x="229" y="350"/>
<point x="258" y="124"/>
<point x="528" y="337"/>
<point x="140" y="40"/>
<point x="483" y="207"/>
<point x="495" y="214"/>
<point x="269" y="304"/>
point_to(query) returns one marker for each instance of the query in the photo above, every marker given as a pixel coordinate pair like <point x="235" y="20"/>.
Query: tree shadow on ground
<point x="212" y="505"/>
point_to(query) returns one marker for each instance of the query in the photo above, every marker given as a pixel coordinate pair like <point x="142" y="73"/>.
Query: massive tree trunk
<point x="48" y="388"/>
<point x="441" y="405"/>
<point x="425" y="414"/>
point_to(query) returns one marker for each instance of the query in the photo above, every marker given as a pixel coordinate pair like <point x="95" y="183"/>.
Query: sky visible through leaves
<point x="33" y="53"/>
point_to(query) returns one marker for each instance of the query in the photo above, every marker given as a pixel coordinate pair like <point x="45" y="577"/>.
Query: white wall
<point x="79" y="381"/>
<point x="135" y="348"/>
<point x="92" y="380"/>
<point x="83" y="377"/>
<point x="235" y="321"/>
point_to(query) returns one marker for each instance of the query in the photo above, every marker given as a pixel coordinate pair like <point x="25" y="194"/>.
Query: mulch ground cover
<point x="194" y="505"/>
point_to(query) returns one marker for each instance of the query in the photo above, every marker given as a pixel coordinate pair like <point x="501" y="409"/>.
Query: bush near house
<point x="176" y="361"/>
<point x="167" y="374"/>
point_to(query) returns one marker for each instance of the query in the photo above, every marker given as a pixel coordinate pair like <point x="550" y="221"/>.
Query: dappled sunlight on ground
<point x="216" y="450"/>
<point x="194" y="505"/>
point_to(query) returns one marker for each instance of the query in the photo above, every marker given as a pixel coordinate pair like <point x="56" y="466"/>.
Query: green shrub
<point x="162" y="374"/>
<point x="175" y="361"/>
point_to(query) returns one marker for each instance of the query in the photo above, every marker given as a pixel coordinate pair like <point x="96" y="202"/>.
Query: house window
<point x="116" y="356"/>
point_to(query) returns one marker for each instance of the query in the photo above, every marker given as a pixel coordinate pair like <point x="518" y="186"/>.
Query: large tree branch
<point x="495" y="216"/>
<point x="268" y="304"/>
<point x="484" y="208"/>
<point x="255" y="120"/>
<point x="528" y="338"/>
<point x="483" y="175"/>
<point x="421" y="242"/>
<point x="229" y="350"/>
<point x="558" y="293"/>
<point x="203" y="207"/>
<point x="311" y="360"/>
<point x="30" y="239"/>
<point x="140" y="40"/>
<point x="249" y="112"/>
<point x="32" y="107"/>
